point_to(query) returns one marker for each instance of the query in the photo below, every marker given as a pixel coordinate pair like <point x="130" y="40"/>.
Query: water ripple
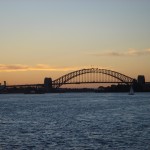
<point x="75" y="121"/>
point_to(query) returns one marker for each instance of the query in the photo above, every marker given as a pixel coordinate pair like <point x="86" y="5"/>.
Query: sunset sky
<point x="49" y="38"/>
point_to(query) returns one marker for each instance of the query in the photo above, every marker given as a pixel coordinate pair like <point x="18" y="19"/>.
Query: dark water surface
<point x="75" y="121"/>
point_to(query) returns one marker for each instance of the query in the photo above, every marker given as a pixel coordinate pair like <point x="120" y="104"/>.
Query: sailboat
<point x="131" y="91"/>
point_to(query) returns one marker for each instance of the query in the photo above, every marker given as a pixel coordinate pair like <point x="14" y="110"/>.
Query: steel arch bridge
<point x="92" y="75"/>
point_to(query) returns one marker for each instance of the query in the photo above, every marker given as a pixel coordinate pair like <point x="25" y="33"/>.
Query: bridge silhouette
<point x="84" y="76"/>
<point x="92" y="75"/>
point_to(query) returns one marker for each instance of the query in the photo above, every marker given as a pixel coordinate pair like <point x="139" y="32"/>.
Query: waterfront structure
<point x="141" y="79"/>
<point x="119" y="82"/>
<point x="48" y="84"/>
<point x="92" y="75"/>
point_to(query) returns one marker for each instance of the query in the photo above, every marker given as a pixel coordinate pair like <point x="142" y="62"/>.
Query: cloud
<point x="129" y="52"/>
<point x="42" y="67"/>
<point x="148" y="50"/>
<point x="38" y="67"/>
<point x="5" y="67"/>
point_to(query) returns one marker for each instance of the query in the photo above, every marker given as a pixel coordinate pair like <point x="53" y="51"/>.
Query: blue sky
<point x="71" y="34"/>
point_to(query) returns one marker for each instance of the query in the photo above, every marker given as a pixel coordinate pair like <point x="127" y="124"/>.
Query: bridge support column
<point x="48" y="84"/>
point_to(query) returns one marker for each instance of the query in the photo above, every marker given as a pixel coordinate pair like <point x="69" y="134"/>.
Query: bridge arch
<point x="67" y="77"/>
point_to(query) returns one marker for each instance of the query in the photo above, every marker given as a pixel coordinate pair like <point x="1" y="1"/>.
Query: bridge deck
<point x="42" y="85"/>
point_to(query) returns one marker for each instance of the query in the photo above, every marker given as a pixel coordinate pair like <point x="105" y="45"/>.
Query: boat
<point x="131" y="91"/>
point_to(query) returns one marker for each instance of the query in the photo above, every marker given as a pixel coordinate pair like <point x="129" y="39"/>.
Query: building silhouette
<point x="141" y="79"/>
<point x="48" y="84"/>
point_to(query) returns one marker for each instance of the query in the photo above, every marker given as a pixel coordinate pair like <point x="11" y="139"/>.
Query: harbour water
<point x="76" y="121"/>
